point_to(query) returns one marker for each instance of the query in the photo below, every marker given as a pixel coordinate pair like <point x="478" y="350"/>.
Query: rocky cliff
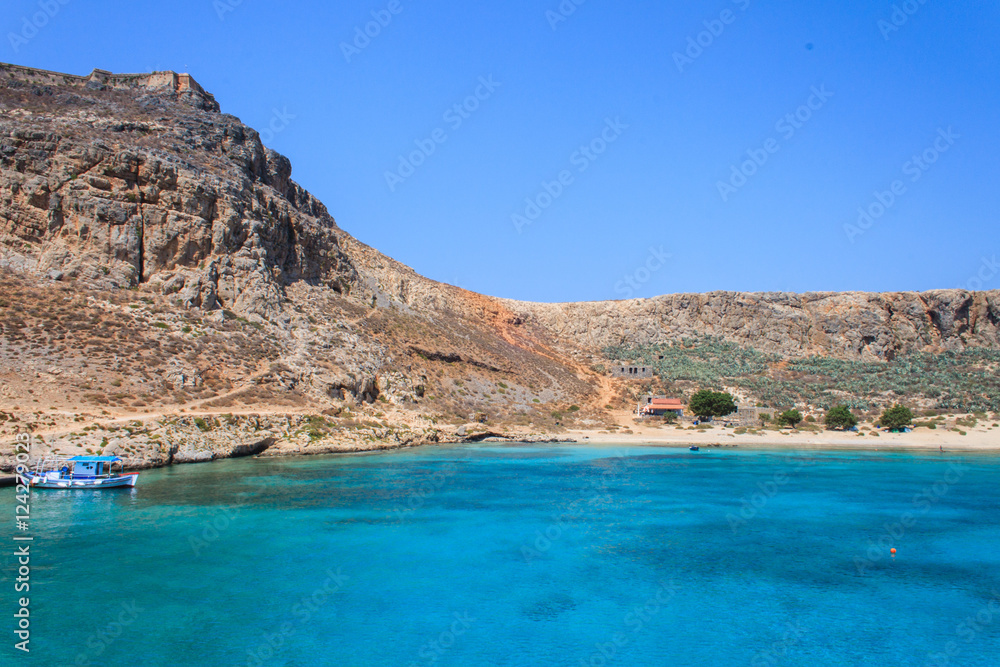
<point x="851" y="325"/>
<point x="139" y="222"/>
<point x="139" y="186"/>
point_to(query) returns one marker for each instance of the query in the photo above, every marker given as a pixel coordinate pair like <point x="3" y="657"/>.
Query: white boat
<point x="80" y="472"/>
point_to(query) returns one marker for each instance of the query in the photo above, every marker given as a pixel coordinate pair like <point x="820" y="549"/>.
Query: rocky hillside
<point x="155" y="257"/>
<point x="156" y="253"/>
<point x="853" y="325"/>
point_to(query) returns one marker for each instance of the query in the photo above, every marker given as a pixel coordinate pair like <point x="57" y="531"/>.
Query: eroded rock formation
<point x="113" y="182"/>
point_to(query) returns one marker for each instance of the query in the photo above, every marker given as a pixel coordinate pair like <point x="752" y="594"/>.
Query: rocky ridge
<point x="851" y="325"/>
<point x="130" y="206"/>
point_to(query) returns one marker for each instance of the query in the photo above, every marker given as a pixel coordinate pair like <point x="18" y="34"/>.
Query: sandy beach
<point x="983" y="438"/>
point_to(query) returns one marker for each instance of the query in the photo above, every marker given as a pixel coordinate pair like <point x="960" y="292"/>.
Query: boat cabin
<point x="92" y="466"/>
<point x="80" y="472"/>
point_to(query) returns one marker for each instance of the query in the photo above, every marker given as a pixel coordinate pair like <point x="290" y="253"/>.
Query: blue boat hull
<point x="117" y="482"/>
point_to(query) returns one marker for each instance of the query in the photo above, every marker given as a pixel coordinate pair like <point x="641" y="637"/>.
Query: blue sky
<point x="641" y="211"/>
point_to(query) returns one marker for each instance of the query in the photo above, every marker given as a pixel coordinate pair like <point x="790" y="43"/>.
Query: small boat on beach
<point x="80" y="472"/>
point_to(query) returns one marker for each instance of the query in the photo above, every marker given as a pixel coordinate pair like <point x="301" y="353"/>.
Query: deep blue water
<point x="522" y="555"/>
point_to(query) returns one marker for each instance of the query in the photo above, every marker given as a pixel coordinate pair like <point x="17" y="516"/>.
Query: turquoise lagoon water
<point x="523" y="555"/>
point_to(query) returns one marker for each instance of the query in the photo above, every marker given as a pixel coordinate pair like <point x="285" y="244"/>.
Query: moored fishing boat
<point x="80" y="472"/>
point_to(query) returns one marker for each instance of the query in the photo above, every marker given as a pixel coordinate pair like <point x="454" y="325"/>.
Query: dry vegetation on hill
<point x="158" y="264"/>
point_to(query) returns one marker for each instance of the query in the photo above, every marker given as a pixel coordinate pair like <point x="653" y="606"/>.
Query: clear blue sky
<point x="657" y="185"/>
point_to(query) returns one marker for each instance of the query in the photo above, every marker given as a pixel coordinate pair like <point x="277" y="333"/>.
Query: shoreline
<point x="162" y="441"/>
<point x="790" y="446"/>
<point x="622" y="440"/>
<point x="983" y="440"/>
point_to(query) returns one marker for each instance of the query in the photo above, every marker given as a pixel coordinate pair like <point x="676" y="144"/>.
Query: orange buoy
<point x="892" y="551"/>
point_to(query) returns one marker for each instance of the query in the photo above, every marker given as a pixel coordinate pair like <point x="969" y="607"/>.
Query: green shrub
<point x="702" y="359"/>
<point x="965" y="381"/>
<point x="840" y="417"/>
<point x="896" y="417"/>
<point x="790" y="418"/>
<point x="708" y="404"/>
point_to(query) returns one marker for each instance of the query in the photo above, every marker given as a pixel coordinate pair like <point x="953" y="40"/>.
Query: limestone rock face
<point x="191" y="201"/>
<point x="110" y="182"/>
<point x="180" y="376"/>
<point x="847" y="325"/>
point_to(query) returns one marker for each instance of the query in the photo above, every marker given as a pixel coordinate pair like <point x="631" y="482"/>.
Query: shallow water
<point x="522" y="555"/>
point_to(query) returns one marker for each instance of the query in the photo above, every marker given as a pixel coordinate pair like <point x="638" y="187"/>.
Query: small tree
<point x="840" y="417"/>
<point x="670" y="417"/>
<point x="702" y="404"/>
<point x="724" y="404"/>
<point x="896" y="418"/>
<point x="790" y="418"/>
<point x="707" y="404"/>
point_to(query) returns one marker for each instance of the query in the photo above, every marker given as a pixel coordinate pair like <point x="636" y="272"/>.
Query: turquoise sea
<point x="521" y="555"/>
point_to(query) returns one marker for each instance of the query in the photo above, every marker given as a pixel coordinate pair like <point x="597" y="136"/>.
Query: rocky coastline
<point x="177" y="440"/>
